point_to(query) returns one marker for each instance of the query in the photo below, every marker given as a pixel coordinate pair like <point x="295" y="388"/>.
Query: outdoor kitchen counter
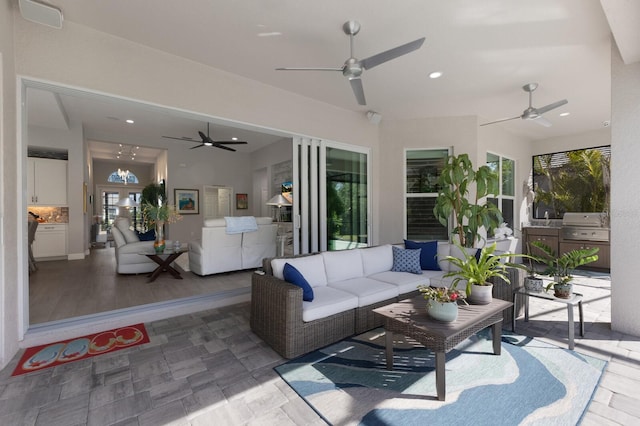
<point x="552" y="236"/>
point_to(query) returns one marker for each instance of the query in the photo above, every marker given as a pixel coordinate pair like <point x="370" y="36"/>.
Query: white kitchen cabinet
<point x="47" y="182"/>
<point x="50" y="241"/>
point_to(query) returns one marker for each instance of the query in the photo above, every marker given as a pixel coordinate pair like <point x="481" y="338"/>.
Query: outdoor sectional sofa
<point x="347" y="285"/>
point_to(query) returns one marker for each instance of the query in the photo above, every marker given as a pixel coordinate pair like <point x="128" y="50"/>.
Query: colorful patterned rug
<point x="531" y="383"/>
<point x="52" y="354"/>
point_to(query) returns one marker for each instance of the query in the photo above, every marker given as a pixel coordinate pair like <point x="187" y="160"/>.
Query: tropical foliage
<point x="441" y="294"/>
<point x="457" y="180"/>
<point x="160" y="213"/>
<point x="561" y="267"/>
<point x="580" y="185"/>
<point x="481" y="269"/>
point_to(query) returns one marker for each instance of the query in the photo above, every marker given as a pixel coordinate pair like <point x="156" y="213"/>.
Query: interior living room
<point x="473" y="85"/>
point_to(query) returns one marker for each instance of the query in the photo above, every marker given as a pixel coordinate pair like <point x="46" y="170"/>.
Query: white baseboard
<point x="75" y="256"/>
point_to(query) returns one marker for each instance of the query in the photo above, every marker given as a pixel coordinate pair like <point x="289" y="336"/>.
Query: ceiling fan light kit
<point x="531" y="113"/>
<point x="353" y="68"/>
<point x="207" y="141"/>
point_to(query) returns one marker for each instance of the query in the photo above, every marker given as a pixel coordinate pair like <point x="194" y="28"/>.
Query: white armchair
<point x="129" y="248"/>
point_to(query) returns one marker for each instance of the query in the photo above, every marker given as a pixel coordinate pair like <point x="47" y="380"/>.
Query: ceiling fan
<point x="532" y="113"/>
<point x="353" y="67"/>
<point x="207" y="141"/>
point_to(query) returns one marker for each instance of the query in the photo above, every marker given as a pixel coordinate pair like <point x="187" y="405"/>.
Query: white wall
<point x="590" y="139"/>
<point x="396" y="136"/>
<point x="625" y="203"/>
<point x="12" y="237"/>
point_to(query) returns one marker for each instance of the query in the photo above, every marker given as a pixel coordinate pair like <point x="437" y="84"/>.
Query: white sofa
<point x="346" y="285"/>
<point x="216" y="251"/>
<point x="129" y="259"/>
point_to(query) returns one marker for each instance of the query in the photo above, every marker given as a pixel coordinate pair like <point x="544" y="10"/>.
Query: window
<point x="505" y="201"/>
<point x="571" y="181"/>
<point x="117" y="177"/>
<point x="423" y="168"/>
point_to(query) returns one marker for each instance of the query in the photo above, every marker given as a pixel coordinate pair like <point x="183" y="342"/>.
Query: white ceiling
<point x="486" y="49"/>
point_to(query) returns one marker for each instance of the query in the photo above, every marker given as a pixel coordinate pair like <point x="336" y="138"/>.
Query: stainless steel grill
<point x="585" y="227"/>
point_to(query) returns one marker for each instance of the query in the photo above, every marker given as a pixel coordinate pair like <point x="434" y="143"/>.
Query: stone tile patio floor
<point x="210" y="369"/>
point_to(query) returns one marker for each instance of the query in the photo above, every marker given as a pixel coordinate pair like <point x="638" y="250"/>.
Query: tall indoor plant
<point x="158" y="214"/>
<point x="458" y="177"/>
<point x="561" y="267"/>
<point x="476" y="271"/>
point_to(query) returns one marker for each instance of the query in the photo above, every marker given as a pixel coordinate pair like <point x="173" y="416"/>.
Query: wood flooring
<point x="63" y="289"/>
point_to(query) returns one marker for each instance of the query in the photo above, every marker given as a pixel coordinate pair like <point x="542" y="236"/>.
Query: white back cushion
<point x="342" y="265"/>
<point x="211" y="223"/>
<point x="376" y="259"/>
<point x="443" y="251"/>
<point x="311" y="268"/>
<point x="129" y="235"/>
<point x="118" y="238"/>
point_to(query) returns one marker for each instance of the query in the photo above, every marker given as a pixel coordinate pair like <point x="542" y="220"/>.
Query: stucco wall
<point x="625" y="203"/>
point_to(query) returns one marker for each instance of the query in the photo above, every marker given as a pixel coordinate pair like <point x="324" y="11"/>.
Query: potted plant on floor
<point x="476" y="271"/>
<point x="456" y="180"/>
<point x="561" y="267"/>
<point x="442" y="302"/>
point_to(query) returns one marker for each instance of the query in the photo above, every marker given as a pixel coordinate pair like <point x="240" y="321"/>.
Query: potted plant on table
<point x="532" y="282"/>
<point x="561" y="267"/>
<point x="442" y="302"/>
<point x="476" y="271"/>
<point x="159" y="214"/>
<point x="455" y="181"/>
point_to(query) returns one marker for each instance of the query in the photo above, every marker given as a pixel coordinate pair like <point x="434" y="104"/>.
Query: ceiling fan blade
<point x="198" y="146"/>
<point x="541" y="121"/>
<point x="223" y="147"/>
<point x="204" y="137"/>
<point x="183" y="138"/>
<point x="231" y="142"/>
<point x="356" y="85"/>
<point x="390" y="54"/>
<point x="307" y="69"/>
<point x="501" y="120"/>
<point x="549" y="107"/>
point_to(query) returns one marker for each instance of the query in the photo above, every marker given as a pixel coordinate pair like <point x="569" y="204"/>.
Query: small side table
<point x="164" y="261"/>
<point x="575" y="299"/>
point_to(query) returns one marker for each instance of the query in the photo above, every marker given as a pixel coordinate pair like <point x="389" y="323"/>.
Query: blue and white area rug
<point x="530" y="383"/>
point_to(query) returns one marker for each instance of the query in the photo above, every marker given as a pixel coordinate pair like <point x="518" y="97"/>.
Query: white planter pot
<point x="481" y="294"/>
<point x="533" y="284"/>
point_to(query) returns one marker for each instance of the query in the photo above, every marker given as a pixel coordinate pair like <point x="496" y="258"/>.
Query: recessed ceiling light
<point x="564" y="114"/>
<point x="130" y="121"/>
<point x="234" y="139"/>
<point x="435" y="74"/>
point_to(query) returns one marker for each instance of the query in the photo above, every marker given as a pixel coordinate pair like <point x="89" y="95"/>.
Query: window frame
<point x="500" y="197"/>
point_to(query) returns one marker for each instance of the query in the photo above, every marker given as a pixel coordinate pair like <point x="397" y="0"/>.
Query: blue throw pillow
<point x="150" y="235"/>
<point x="428" y="255"/>
<point x="405" y="260"/>
<point x="293" y="276"/>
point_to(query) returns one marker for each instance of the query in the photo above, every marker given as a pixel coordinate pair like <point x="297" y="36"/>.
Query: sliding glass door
<point x="331" y="196"/>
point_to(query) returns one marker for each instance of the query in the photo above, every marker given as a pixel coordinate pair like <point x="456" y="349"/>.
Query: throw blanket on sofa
<point x="240" y="224"/>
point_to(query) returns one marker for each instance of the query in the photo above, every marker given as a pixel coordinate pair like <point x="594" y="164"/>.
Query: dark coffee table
<point x="164" y="261"/>
<point x="409" y="318"/>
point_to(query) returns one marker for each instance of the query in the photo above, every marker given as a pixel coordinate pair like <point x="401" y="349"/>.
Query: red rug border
<point x="89" y="346"/>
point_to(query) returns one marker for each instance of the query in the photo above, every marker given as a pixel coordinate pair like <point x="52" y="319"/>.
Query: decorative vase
<point x="533" y="284"/>
<point x="159" y="244"/>
<point x="442" y="311"/>
<point x="481" y="294"/>
<point x="563" y="291"/>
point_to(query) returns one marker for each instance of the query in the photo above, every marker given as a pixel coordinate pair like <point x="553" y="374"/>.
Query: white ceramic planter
<point x="481" y="294"/>
<point x="446" y="312"/>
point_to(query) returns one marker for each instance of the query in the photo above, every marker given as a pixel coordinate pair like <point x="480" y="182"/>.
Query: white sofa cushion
<point x="118" y="238"/>
<point x="342" y="265"/>
<point x="327" y="301"/>
<point x="376" y="259"/>
<point x="311" y="268"/>
<point x="406" y="282"/>
<point x="444" y="248"/>
<point x="366" y="289"/>
<point x="215" y="223"/>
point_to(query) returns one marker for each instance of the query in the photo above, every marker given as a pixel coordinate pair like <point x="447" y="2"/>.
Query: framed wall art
<point x="242" y="201"/>
<point x="186" y="201"/>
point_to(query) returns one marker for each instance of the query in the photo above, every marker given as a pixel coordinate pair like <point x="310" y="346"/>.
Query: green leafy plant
<point x="561" y="267"/>
<point x="441" y="294"/>
<point x="456" y="181"/>
<point x="479" y="270"/>
<point x="156" y="213"/>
